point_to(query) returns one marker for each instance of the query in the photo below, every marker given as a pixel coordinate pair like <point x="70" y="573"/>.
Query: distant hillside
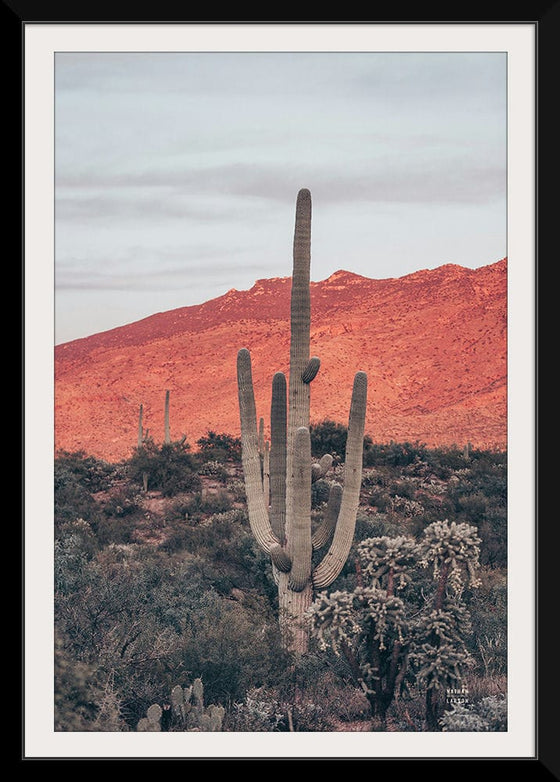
<point x="433" y="343"/>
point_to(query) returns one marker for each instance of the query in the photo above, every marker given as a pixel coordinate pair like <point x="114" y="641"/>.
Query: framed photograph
<point x="164" y="165"/>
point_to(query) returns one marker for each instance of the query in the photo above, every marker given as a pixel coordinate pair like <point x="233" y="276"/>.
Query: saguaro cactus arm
<point x="310" y="371"/>
<point x="278" y="424"/>
<point x="301" y="527"/>
<point x="257" y="508"/>
<point x="324" y="531"/>
<point x="333" y="562"/>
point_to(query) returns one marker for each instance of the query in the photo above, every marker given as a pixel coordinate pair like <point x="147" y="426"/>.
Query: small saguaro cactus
<point x="167" y="432"/>
<point x="142" y="438"/>
<point x="280" y="507"/>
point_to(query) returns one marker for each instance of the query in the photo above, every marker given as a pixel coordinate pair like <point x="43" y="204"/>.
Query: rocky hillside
<point x="434" y="345"/>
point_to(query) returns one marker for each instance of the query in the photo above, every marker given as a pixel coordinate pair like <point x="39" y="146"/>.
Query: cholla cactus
<point x="386" y="639"/>
<point x="388" y="559"/>
<point x="280" y="518"/>
<point x="453" y="549"/>
<point x="441" y="657"/>
<point x="186" y="712"/>
<point x="369" y="626"/>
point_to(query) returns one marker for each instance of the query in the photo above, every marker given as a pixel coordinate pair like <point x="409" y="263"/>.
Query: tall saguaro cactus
<point x="280" y="508"/>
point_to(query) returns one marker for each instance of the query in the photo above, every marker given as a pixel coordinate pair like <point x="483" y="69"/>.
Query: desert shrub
<point x="169" y="468"/>
<point x="373" y="526"/>
<point x="227" y="548"/>
<point x="236" y="488"/>
<point x="201" y="505"/>
<point x="404" y="508"/>
<point x="113" y="621"/>
<point x="268" y="709"/>
<point x="230" y="646"/>
<point x="111" y="529"/>
<point x="91" y="473"/>
<point x="320" y="492"/>
<point x="218" y="502"/>
<point x="488" y="608"/>
<point x="219" y="447"/>
<point x="259" y="711"/>
<point x="72" y="498"/>
<point x="443" y="461"/>
<point x="328" y="437"/>
<point x="214" y="469"/>
<point x="493" y="533"/>
<point x="392" y="454"/>
<point x="489" y="714"/>
<point x="309" y="697"/>
<point x="479" y="496"/>
<point x="380" y="500"/>
<point x="74" y="547"/>
<point x="81" y="704"/>
<point x="122" y="501"/>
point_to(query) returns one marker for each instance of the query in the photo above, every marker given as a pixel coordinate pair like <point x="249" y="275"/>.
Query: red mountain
<point x="433" y="343"/>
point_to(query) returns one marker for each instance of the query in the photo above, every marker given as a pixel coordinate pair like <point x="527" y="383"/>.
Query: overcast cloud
<point x="177" y="174"/>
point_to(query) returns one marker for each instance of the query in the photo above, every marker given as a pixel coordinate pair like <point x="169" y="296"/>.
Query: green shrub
<point x="214" y="469"/>
<point x="123" y="501"/>
<point x="219" y="447"/>
<point x="75" y="546"/>
<point x="328" y="437"/>
<point x="320" y="492"/>
<point x="392" y="454"/>
<point x="91" y="473"/>
<point x="232" y="647"/>
<point x="72" y="499"/>
<point x="168" y="468"/>
<point x="489" y="714"/>
<point x="80" y="703"/>
<point x="115" y="530"/>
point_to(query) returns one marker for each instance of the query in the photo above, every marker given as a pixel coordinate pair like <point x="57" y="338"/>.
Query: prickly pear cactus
<point x="152" y="720"/>
<point x="188" y="712"/>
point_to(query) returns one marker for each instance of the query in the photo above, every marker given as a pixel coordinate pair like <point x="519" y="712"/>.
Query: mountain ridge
<point x="433" y="342"/>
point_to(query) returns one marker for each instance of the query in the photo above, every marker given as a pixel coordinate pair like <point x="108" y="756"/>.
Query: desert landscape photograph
<point x="281" y="406"/>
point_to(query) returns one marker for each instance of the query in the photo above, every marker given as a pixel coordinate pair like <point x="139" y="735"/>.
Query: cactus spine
<point x="281" y="523"/>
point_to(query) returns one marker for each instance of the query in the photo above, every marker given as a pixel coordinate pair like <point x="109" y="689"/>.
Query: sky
<point x="176" y="174"/>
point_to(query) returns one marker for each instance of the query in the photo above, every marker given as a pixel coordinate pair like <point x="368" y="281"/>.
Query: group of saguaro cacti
<point x="186" y="712"/>
<point x="279" y="497"/>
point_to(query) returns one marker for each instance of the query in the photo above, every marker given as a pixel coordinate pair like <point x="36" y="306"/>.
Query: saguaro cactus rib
<point x="333" y="562"/>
